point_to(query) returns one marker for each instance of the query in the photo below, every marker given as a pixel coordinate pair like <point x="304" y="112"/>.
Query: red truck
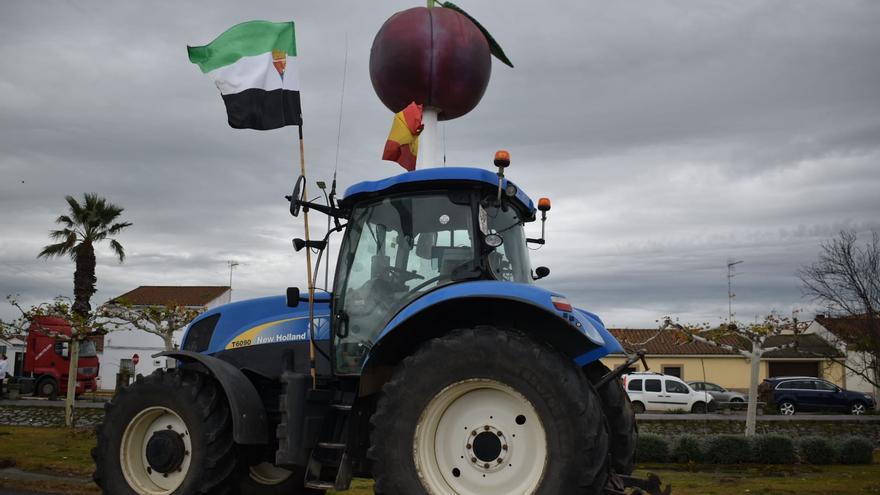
<point x="47" y="359"/>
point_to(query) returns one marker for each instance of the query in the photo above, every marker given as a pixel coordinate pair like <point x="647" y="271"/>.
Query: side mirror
<point x="292" y="297"/>
<point x="296" y="196"/>
<point x="65" y="350"/>
<point x="540" y="272"/>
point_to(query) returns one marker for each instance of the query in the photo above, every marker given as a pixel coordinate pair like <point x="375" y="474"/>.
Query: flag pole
<point x="302" y="169"/>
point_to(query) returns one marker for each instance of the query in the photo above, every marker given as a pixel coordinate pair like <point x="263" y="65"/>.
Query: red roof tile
<point x="160" y="295"/>
<point x="665" y="342"/>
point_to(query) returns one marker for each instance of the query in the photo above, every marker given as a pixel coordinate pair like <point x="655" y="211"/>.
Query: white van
<point x="650" y="391"/>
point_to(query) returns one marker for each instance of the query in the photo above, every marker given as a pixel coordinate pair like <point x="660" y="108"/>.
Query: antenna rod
<point x="730" y="294"/>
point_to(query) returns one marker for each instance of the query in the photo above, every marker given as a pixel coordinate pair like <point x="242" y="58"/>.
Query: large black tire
<point x="564" y="401"/>
<point x="618" y="409"/>
<point x="47" y="387"/>
<point x="200" y="403"/>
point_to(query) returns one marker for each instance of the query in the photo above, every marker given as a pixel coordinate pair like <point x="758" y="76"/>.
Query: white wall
<point x="123" y="344"/>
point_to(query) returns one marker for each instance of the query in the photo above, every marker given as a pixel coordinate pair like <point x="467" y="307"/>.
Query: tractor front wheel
<point x="489" y="412"/>
<point x="621" y="418"/>
<point x="169" y="432"/>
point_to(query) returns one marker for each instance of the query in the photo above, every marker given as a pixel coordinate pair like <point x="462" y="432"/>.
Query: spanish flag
<point x="403" y="141"/>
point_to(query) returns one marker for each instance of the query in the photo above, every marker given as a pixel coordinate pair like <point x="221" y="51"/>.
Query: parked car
<point x="650" y="391"/>
<point x="791" y="394"/>
<point x="719" y="393"/>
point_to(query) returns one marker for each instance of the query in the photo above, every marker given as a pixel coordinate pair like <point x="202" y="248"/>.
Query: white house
<point x="120" y="346"/>
<point x="13" y="347"/>
<point x="840" y="332"/>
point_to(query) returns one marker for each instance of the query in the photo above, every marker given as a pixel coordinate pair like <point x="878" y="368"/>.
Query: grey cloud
<point x="671" y="136"/>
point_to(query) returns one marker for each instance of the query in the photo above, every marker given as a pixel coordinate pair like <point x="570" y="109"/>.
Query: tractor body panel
<point x="596" y="340"/>
<point x="256" y="322"/>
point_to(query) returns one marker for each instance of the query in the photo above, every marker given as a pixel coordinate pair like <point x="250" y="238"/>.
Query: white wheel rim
<point x="788" y="408"/>
<point x="480" y="437"/>
<point x="133" y="451"/>
<point x="858" y="409"/>
<point x="269" y="474"/>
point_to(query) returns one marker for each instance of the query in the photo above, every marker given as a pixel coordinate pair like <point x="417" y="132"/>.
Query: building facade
<point x="697" y="361"/>
<point x="120" y="346"/>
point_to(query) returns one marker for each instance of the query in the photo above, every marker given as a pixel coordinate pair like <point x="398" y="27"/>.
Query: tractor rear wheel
<point x="622" y="428"/>
<point x="169" y="432"/>
<point x="485" y="411"/>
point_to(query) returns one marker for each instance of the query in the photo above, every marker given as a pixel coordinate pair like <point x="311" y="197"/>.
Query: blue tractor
<point x="434" y="366"/>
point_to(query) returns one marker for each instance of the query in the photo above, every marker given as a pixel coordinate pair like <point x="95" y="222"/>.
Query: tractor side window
<point x="395" y="250"/>
<point x="510" y="260"/>
<point x="652" y="385"/>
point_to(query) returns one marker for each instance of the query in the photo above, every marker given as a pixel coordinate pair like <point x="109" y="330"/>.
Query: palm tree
<point x="84" y="226"/>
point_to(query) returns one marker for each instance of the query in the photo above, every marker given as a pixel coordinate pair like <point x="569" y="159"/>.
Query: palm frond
<point x="66" y="220"/>
<point x="118" y="249"/>
<point x="54" y="250"/>
<point x="117" y="227"/>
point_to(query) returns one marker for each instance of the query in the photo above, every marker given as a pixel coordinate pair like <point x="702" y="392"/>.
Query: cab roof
<point x="437" y="176"/>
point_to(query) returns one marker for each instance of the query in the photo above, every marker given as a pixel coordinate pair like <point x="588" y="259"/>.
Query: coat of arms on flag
<point x="253" y="65"/>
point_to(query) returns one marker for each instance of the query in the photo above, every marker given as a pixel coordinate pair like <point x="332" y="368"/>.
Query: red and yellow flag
<point x="403" y="140"/>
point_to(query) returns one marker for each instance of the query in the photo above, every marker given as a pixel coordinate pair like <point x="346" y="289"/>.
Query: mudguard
<point x="586" y="324"/>
<point x="249" y="424"/>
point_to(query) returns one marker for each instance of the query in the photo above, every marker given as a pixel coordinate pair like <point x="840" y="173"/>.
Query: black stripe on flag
<point x="263" y="110"/>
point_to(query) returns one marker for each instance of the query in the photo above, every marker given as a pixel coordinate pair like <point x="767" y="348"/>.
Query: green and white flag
<point x="253" y="65"/>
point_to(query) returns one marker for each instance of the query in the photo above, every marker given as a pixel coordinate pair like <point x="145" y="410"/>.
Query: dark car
<point x="791" y="394"/>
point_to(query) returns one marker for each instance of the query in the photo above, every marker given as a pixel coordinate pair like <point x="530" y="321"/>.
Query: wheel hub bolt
<point x="473" y="459"/>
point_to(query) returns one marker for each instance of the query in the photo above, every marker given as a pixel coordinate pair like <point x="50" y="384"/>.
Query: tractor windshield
<point x="510" y="260"/>
<point x="395" y="250"/>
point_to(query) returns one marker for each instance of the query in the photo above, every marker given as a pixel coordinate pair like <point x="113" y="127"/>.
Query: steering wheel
<point x="403" y="275"/>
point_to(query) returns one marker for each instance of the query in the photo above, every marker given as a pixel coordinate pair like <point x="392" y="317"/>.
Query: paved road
<point x="43" y="402"/>
<point x="761" y="417"/>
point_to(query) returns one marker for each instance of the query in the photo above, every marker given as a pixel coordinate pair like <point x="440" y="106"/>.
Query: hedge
<point x="652" y="448"/>
<point x="773" y="449"/>
<point x="816" y="450"/>
<point x="760" y="449"/>
<point x="687" y="448"/>
<point x="728" y="449"/>
<point x="854" y="450"/>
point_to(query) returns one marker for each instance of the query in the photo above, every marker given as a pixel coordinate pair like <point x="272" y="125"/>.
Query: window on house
<point x="2" y="349"/>
<point x="635" y="385"/>
<point x="631" y="369"/>
<point x="652" y="385"/>
<point x="672" y="371"/>
<point x="126" y="365"/>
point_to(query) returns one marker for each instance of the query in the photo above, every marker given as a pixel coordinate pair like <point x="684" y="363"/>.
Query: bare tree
<point x="846" y="279"/>
<point x="749" y="341"/>
<point x="157" y="320"/>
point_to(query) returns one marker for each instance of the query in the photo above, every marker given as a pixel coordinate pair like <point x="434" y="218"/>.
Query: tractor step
<point x="331" y="445"/>
<point x="320" y="485"/>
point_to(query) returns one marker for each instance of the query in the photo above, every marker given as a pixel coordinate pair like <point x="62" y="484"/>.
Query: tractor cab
<point x="414" y="233"/>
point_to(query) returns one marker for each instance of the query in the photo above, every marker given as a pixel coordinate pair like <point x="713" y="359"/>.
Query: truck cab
<point x="47" y="358"/>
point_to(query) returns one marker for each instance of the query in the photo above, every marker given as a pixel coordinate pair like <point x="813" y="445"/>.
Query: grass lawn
<point x="59" y="451"/>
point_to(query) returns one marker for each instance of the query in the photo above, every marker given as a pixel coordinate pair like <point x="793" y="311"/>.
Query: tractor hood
<point x="266" y="320"/>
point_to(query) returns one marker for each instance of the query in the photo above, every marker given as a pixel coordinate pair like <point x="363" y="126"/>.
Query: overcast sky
<point x="671" y="136"/>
